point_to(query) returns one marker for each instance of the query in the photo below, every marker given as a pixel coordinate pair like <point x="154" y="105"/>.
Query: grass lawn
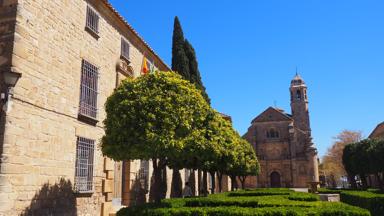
<point x="268" y="202"/>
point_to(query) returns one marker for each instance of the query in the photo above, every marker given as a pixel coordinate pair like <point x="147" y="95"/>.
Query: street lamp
<point x="10" y="79"/>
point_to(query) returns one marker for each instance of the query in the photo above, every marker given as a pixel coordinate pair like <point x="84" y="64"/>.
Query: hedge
<point x="335" y="190"/>
<point x="374" y="202"/>
<point x="260" y="193"/>
<point x="247" y="203"/>
<point x="238" y="211"/>
<point x="304" y="197"/>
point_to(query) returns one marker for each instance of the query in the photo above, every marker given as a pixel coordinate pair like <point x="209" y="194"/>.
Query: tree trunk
<point x="199" y="183"/>
<point x="363" y="181"/>
<point x="176" y="189"/>
<point x="155" y="189"/>
<point x="205" y="186"/>
<point x="352" y="181"/>
<point x="380" y="180"/>
<point x="370" y="183"/>
<point x="220" y="179"/>
<point x="234" y="183"/>
<point x="164" y="185"/>
<point x="242" y="180"/>
<point x="192" y="182"/>
<point x="213" y="177"/>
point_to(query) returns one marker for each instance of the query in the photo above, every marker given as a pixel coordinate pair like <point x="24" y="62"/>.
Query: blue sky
<point x="248" y="51"/>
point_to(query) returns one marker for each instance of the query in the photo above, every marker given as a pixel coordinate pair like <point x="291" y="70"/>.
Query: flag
<point x="144" y="69"/>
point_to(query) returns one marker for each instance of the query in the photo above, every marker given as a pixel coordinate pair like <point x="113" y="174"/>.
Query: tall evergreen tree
<point x="194" y="72"/>
<point x="180" y="63"/>
<point x="184" y="62"/>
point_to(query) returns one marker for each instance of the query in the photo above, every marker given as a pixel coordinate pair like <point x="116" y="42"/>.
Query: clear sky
<point x="248" y="51"/>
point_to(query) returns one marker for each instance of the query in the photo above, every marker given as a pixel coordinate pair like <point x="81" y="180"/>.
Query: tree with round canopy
<point x="152" y="118"/>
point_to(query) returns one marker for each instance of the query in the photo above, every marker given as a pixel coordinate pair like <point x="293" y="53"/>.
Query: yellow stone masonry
<point x="38" y="149"/>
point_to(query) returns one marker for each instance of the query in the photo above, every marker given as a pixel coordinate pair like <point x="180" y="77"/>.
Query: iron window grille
<point x="124" y="49"/>
<point x="92" y="20"/>
<point x="88" y="90"/>
<point x="84" y="165"/>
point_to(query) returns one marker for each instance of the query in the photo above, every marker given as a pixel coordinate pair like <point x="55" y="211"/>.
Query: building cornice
<point x="134" y="32"/>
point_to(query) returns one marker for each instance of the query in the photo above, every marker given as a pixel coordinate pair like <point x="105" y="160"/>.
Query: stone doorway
<point x="275" y="180"/>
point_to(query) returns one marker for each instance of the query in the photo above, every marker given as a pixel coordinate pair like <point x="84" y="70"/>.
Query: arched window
<point x="272" y="133"/>
<point x="298" y="95"/>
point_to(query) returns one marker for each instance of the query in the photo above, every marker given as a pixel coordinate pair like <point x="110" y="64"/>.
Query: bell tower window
<point x="298" y="95"/>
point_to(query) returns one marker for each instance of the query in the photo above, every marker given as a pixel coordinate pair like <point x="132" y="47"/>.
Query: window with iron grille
<point x="88" y="90"/>
<point x="124" y="49"/>
<point x="84" y="165"/>
<point x="92" y="20"/>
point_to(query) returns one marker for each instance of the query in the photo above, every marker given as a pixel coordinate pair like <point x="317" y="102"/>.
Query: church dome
<point x="297" y="80"/>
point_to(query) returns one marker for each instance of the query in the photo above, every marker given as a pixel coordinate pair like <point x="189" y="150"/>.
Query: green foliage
<point x="205" y="202"/>
<point x="184" y="59"/>
<point x="245" y="162"/>
<point x="152" y="117"/>
<point x="267" y="205"/>
<point x="194" y="73"/>
<point x="331" y="191"/>
<point x="365" y="157"/>
<point x="304" y="197"/>
<point x="374" y="202"/>
<point x="261" y="192"/>
<point x="180" y="62"/>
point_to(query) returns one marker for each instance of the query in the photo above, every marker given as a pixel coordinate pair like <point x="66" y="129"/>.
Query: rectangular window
<point x="124" y="49"/>
<point x="84" y="165"/>
<point x="88" y="90"/>
<point x="92" y="22"/>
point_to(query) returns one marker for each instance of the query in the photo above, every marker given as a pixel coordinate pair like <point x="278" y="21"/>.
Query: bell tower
<point x="299" y="104"/>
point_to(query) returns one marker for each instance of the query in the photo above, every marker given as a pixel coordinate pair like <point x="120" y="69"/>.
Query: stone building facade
<point x="378" y="132"/>
<point x="283" y="143"/>
<point x="71" y="54"/>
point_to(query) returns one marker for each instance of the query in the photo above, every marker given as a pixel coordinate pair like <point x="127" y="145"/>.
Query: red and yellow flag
<point x="144" y="69"/>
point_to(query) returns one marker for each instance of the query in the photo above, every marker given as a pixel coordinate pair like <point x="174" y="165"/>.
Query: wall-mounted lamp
<point x="10" y="79"/>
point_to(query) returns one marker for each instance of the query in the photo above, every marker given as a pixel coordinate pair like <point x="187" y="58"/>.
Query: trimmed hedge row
<point x="374" y="202"/>
<point x="238" y="211"/>
<point x="304" y="197"/>
<point x="275" y="203"/>
<point x="259" y="193"/>
<point x="335" y="191"/>
<point x="218" y="202"/>
<point x="255" y="202"/>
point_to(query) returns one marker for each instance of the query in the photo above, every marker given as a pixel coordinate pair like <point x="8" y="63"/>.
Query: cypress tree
<point x="180" y="63"/>
<point x="194" y="72"/>
<point x="184" y="62"/>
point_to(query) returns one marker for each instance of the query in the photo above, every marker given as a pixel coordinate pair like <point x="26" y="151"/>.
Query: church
<point x="283" y="143"/>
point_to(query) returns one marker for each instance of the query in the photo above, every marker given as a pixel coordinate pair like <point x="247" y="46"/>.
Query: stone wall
<point x="39" y="146"/>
